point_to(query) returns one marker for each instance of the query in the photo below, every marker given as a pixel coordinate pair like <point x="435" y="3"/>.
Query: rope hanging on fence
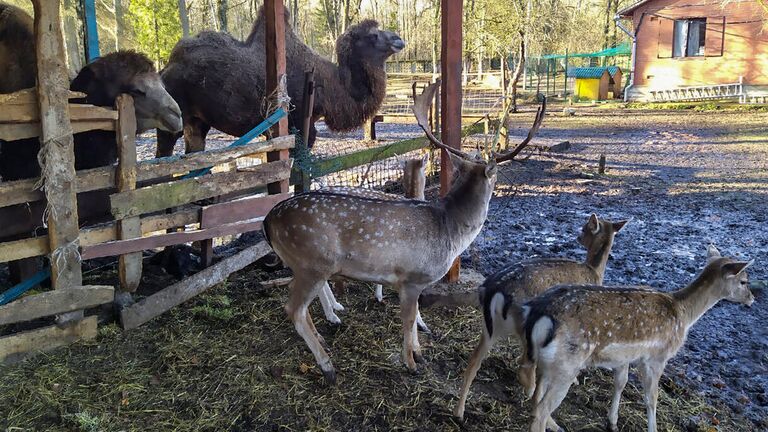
<point x="60" y="254"/>
<point x="278" y="98"/>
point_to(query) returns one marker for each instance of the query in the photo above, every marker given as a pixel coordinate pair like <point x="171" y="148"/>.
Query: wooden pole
<point x="91" y="31"/>
<point x="275" y="47"/>
<point x="129" y="265"/>
<point x="450" y="96"/>
<point x="305" y="176"/>
<point x="58" y="147"/>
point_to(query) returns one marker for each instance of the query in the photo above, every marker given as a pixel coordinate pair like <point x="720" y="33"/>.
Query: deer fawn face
<point x="736" y="284"/>
<point x="598" y="231"/>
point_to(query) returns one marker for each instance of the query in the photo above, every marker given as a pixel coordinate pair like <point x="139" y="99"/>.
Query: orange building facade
<point x="680" y="43"/>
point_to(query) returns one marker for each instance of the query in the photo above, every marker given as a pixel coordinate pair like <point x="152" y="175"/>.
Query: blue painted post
<point x="91" y="31"/>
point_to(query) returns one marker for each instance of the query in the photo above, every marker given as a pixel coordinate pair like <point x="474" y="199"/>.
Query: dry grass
<point x="230" y="360"/>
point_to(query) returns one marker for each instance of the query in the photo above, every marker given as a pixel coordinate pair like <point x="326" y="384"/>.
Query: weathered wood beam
<point x="154" y="305"/>
<point x="38" y="246"/>
<point x="55" y="302"/>
<point x="58" y="145"/>
<point x="363" y="157"/>
<point x="29" y="96"/>
<point x="119" y="247"/>
<point x="450" y="96"/>
<point x="19" y="346"/>
<point x="274" y="36"/>
<point x="128" y="265"/>
<point x="166" y="195"/>
<point x="22" y="191"/>
<point x="12" y="132"/>
<point x="235" y="211"/>
<point x="28" y="113"/>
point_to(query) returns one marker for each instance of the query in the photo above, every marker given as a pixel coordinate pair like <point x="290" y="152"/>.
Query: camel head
<point x="132" y="73"/>
<point x="365" y="42"/>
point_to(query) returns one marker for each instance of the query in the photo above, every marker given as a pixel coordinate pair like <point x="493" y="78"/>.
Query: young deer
<point x="571" y="327"/>
<point x="408" y="244"/>
<point x="524" y="280"/>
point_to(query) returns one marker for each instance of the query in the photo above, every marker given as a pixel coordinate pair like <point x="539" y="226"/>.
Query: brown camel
<point x="219" y="81"/>
<point x="102" y="81"/>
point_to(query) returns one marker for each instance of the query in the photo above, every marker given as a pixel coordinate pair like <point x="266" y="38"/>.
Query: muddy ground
<point x="230" y="360"/>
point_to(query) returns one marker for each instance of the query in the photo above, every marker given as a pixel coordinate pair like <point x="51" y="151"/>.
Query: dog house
<point x="595" y="83"/>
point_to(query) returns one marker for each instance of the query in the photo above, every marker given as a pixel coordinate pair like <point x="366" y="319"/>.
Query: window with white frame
<point x="689" y="37"/>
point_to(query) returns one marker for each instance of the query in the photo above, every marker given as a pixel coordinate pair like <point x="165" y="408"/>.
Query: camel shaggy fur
<point x="219" y="81"/>
<point x="17" y="49"/>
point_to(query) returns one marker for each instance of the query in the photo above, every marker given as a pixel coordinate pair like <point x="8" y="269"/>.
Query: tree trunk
<point x="73" y="36"/>
<point x="606" y="27"/>
<point x="518" y="72"/>
<point x="222" y="13"/>
<point x="119" y="25"/>
<point x="183" y="17"/>
<point x="435" y="38"/>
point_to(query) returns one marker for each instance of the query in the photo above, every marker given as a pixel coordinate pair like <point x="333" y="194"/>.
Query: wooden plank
<point x="171" y="194"/>
<point x="274" y="36"/>
<point x="17" y="131"/>
<point x="28" y="113"/>
<point x="55" y="302"/>
<point x="22" y="191"/>
<point x="363" y="157"/>
<point x="235" y="211"/>
<point x="191" y="161"/>
<point x="154" y="305"/>
<point x="19" y="346"/>
<point x="56" y="137"/>
<point x="38" y="246"/>
<point x="119" y="247"/>
<point x="29" y="96"/>
<point x="128" y="265"/>
<point x="450" y="95"/>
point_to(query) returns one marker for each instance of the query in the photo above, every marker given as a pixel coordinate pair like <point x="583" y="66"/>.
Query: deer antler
<point x="421" y="104"/>
<point x="531" y="133"/>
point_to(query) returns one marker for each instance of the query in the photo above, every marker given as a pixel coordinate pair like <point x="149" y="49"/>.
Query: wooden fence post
<point x="275" y="56"/>
<point x="58" y="171"/>
<point x="129" y="265"/>
<point x="305" y="175"/>
<point x="450" y="98"/>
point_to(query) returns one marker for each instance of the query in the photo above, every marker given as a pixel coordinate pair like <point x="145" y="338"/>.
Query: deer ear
<point x="457" y="161"/>
<point x="712" y="253"/>
<point x="593" y="224"/>
<point x="617" y="226"/>
<point x="736" y="268"/>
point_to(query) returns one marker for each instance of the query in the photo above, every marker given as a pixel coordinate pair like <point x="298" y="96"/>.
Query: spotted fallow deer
<point x="571" y="327"/>
<point x="525" y="280"/>
<point x="408" y="244"/>
<point x="414" y="183"/>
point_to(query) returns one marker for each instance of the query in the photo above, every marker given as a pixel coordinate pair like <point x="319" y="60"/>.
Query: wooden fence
<point x="133" y="199"/>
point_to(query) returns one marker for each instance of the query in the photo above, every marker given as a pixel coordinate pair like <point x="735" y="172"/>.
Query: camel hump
<point x="15" y="22"/>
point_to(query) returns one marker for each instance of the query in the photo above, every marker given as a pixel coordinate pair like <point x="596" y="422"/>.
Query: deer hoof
<point x="423" y="326"/>
<point x="330" y="377"/>
<point x="418" y="358"/>
<point x="612" y="427"/>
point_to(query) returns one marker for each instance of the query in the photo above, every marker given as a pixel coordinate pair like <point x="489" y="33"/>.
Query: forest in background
<point x="492" y="28"/>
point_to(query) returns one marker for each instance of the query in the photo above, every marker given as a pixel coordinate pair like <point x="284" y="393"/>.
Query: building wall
<point x="741" y="50"/>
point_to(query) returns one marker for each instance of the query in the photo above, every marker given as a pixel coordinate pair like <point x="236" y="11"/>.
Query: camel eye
<point x="136" y="92"/>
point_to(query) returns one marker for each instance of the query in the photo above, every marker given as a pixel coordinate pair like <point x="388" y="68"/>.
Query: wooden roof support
<point x="58" y="145"/>
<point x="450" y="97"/>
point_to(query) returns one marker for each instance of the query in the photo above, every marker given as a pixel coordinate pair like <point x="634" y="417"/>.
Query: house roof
<point x="591" y="72"/>
<point x="627" y="11"/>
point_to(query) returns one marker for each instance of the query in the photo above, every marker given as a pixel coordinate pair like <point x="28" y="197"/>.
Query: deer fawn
<point x="571" y="327"/>
<point x="524" y="280"/>
<point x="408" y="244"/>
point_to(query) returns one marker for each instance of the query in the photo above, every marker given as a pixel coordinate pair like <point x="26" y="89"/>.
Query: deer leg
<point x="379" y="293"/>
<point x="649" y="376"/>
<point x="620" y="376"/>
<point x="478" y="355"/>
<point x="408" y="305"/>
<point x="303" y="289"/>
<point x="327" y="300"/>
<point x="420" y="322"/>
<point x="554" y="382"/>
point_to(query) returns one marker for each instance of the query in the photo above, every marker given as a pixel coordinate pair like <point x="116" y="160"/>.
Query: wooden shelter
<point x="699" y="43"/>
<point x="595" y="83"/>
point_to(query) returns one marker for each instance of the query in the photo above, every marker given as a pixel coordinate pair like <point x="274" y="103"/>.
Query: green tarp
<point x="619" y="50"/>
